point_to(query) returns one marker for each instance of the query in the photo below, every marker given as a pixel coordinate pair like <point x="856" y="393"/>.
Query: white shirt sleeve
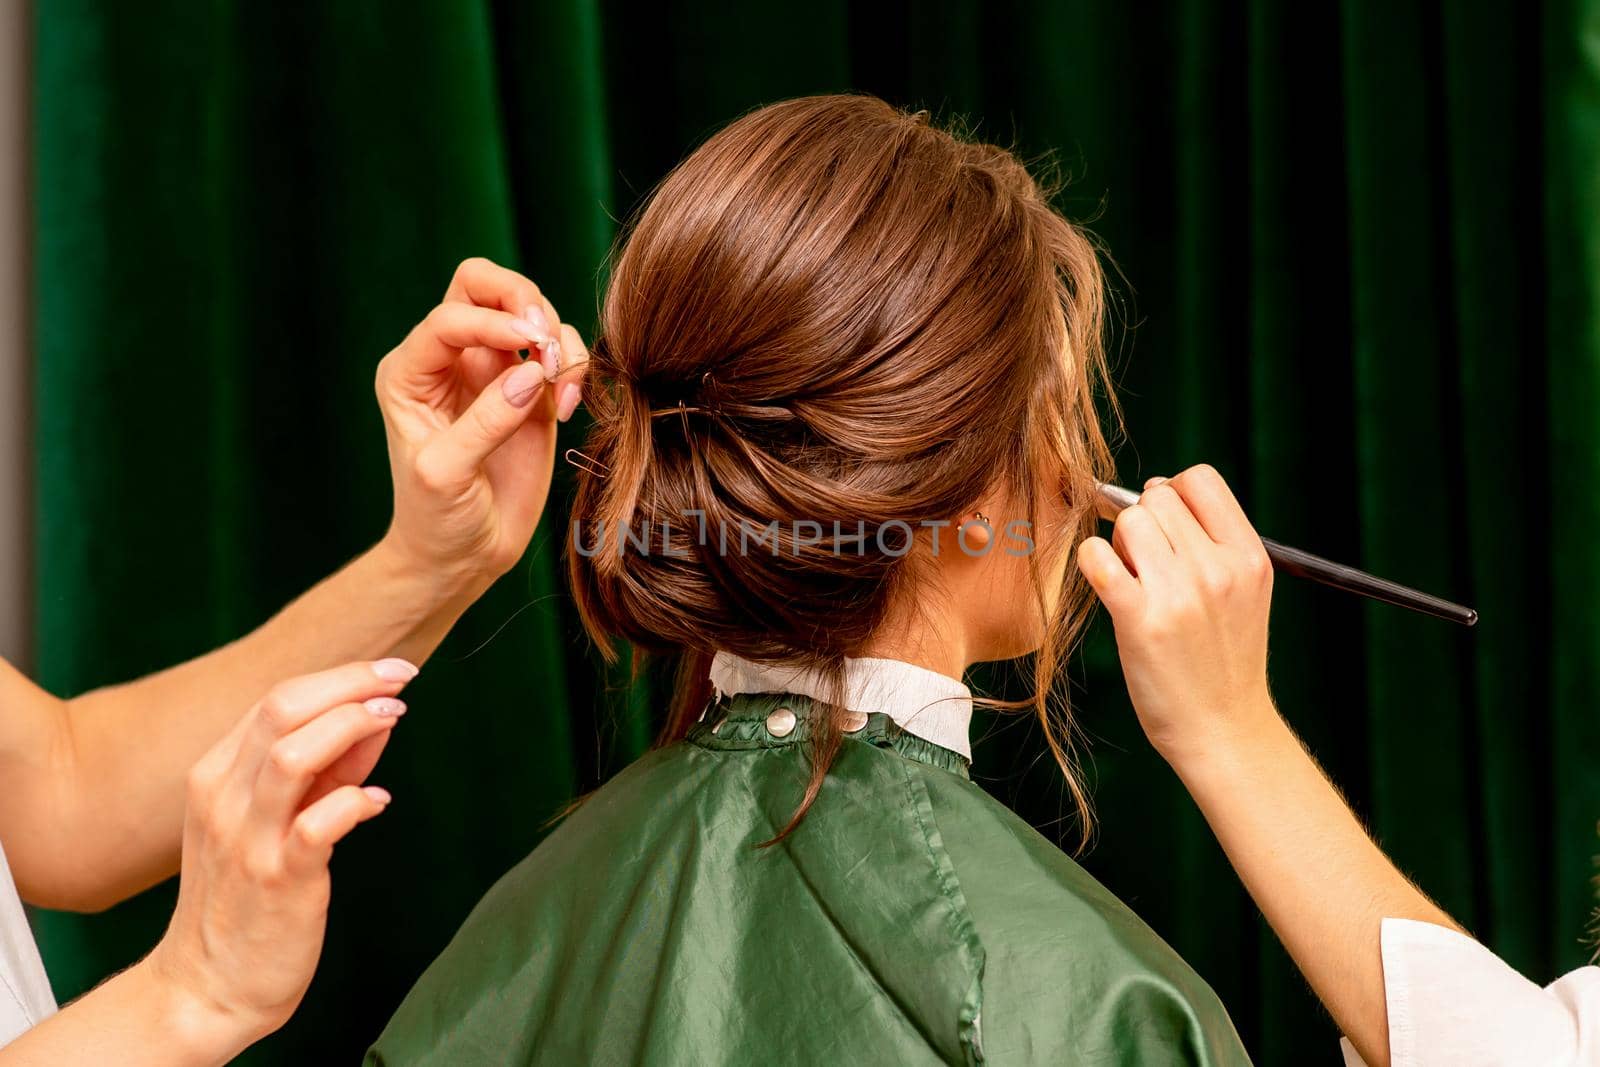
<point x="1452" y="1001"/>
<point x="25" y="999"/>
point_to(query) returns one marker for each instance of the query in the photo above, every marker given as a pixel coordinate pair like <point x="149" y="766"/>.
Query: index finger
<point x="1213" y="503"/>
<point x="487" y="284"/>
<point x="292" y="704"/>
<point x="292" y="762"/>
<point x="464" y="320"/>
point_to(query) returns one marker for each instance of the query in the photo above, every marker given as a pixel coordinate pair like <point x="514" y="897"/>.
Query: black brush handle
<point x="1302" y="564"/>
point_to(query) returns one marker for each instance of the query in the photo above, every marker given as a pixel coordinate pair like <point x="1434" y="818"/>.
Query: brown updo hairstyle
<point x="832" y="311"/>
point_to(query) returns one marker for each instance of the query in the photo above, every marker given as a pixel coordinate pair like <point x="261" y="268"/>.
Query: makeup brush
<point x="1113" y="498"/>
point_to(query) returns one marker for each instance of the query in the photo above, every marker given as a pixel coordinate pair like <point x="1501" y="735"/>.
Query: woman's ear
<point x="974" y="533"/>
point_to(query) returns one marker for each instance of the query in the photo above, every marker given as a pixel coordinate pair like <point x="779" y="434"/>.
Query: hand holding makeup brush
<point x="1188" y="586"/>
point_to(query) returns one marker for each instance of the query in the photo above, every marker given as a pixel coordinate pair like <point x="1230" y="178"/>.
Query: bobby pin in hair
<point x="587" y="464"/>
<point x="685" y="410"/>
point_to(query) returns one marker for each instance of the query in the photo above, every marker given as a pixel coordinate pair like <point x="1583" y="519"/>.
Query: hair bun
<point x="831" y="317"/>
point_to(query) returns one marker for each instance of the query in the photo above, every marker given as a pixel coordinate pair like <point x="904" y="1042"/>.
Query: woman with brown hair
<point x="844" y="446"/>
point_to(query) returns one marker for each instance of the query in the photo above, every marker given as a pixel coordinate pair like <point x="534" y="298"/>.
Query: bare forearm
<point x="133" y="1019"/>
<point x="1316" y="875"/>
<point x="124" y="815"/>
<point x="1188" y="583"/>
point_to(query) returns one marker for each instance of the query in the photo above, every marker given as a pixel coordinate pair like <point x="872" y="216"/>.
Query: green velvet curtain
<point x="1359" y="249"/>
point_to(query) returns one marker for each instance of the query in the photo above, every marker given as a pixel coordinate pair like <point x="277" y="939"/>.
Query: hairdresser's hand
<point x="472" y="428"/>
<point x="1188" y="585"/>
<point x="266" y="807"/>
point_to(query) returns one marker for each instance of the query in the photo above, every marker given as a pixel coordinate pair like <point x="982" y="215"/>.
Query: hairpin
<point x="587" y="464"/>
<point x="680" y="409"/>
<point x="683" y="409"/>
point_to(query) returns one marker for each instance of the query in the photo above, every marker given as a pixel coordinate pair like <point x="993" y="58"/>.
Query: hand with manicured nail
<point x="94" y="806"/>
<point x="472" y="426"/>
<point x="1189" y="587"/>
<point x="266" y="806"/>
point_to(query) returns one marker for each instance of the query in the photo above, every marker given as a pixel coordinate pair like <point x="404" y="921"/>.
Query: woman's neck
<point x="926" y="638"/>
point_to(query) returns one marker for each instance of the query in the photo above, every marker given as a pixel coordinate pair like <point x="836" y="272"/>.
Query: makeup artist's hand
<point x="1189" y="586"/>
<point x="472" y="428"/>
<point x="266" y="806"/>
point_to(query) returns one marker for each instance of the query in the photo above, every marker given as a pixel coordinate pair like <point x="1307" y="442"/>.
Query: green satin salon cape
<point x="909" y="919"/>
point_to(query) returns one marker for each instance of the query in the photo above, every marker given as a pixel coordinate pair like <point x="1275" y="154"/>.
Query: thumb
<point x="498" y="412"/>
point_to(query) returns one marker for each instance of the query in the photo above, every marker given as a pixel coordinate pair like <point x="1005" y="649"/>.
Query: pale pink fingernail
<point x="378" y="793"/>
<point x="570" y="395"/>
<point x="522" y="383"/>
<point x="386" y="707"/>
<point x="550" y="357"/>
<point x="535" y="318"/>
<point x="394" y="670"/>
<point x="529" y="331"/>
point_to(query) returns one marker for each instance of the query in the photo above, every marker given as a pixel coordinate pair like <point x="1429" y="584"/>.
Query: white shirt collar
<point x="933" y="706"/>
